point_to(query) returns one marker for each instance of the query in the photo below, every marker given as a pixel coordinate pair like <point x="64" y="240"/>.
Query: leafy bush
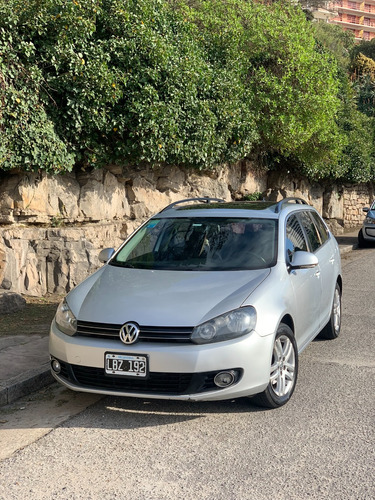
<point x="122" y="81"/>
<point x="336" y="41"/>
<point x="293" y="84"/>
<point x="367" y="48"/>
<point x="356" y="159"/>
<point x="362" y="65"/>
<point x="198" y="83"/>
<point x="28" y="135"/>
<point x="364" y="86"/>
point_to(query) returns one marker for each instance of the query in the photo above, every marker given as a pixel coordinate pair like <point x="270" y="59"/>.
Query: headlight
<point x="228" y="326"/>
<point x="65" y="319"/>
<point x="369" y="220"/>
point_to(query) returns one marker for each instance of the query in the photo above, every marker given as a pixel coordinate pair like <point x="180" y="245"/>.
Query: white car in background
<point x="207" y="300"/>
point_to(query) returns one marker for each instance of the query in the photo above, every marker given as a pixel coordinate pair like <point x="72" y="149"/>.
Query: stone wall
<point x="53" y="260"/>
<point x="354" y="199"/>
<point x="53" y="227"/>
<point x="117" y="193"/>
<point x="340" y="204"/>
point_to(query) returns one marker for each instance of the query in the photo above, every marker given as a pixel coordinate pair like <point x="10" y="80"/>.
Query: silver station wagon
<point x="207" y="300"/>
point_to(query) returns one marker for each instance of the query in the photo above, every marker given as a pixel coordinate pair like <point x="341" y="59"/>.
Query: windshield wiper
<point x="122" y="264"/>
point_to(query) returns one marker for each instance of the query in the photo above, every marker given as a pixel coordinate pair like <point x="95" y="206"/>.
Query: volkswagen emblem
<point x="129" y="333"/>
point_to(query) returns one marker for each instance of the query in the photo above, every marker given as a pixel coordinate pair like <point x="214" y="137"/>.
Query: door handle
<point x="331" y="260"/>
<point x="317" y="274"/>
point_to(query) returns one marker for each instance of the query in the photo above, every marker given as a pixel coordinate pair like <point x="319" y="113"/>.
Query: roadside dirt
<point x="35" y="318"/>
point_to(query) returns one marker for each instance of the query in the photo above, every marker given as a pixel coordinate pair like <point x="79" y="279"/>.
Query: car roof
<point x="215" y="207"/>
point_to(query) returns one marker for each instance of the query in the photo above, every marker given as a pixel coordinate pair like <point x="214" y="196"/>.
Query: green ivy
<point x="119" y="81"/>
<point x="355" y="119"/>
<point x="199" y="83"/>
<point x="28" y="137"/>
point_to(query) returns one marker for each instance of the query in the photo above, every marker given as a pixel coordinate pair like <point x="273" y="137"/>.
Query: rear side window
<point x="295" y="238"/>
<point x="323" y="232"/>
<point x="312" y="233"/>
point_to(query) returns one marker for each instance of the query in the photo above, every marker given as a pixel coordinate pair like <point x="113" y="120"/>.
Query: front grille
<point x="147" y="333"/>
<point x="157" y="382"/>
<point x="170" y="383"/>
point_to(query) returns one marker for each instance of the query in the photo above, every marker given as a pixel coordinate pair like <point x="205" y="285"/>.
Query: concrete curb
<point x="348" y="248"/>
<point x="22" y="385"/>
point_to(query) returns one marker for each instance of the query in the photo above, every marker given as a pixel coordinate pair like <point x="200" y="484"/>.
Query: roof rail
<point x="205" y="199"/>
<point x="286" y="201"/>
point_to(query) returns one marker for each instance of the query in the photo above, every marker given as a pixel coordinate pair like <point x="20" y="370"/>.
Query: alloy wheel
<point x="337" y="311"/>
<point x="282" y="377"/>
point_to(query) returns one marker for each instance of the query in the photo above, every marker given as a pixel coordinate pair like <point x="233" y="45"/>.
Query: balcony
<point x="360" y="10"/>
<point x="354" y="26"/>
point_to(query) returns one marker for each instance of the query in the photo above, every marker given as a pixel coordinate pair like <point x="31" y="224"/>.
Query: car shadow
<point x="134" y="413"/>
<point x="351" y="239"/>
<point x="347" y="240"/>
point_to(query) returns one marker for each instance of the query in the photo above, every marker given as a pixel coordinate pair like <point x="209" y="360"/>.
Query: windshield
<point x="204" y="244"/>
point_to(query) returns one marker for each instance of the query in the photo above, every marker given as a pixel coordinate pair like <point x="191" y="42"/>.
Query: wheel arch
<point x="339" y="282"/>
<point x="288" y="320"/>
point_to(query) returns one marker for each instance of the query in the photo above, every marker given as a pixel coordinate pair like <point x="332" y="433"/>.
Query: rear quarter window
<point x="321" y="227"/>
<point x="312" y="232"/>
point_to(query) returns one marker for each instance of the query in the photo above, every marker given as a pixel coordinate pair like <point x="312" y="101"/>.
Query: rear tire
<point x="332" y="329"/>
<point x="283" y="371"/>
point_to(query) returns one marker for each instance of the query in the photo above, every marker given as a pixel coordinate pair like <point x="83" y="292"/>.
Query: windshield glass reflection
<point x="205" y="244"/>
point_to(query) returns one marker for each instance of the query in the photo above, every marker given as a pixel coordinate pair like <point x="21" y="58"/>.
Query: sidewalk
<point x="24" y="366"/>
<point x="348" y="241"/>
<point x="24" y="360"/>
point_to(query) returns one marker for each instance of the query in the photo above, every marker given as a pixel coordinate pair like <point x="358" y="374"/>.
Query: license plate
<point x="129" y="365"/>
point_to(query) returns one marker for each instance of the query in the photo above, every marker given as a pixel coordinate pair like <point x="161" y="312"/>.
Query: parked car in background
<point x="366" y="234"/>
<point x="207" y="300"/>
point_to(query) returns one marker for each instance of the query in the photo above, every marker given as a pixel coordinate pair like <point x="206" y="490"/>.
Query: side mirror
<point x="106" y="254"/>
<point x="365" y="209"/>
<point x="303" y="260"/>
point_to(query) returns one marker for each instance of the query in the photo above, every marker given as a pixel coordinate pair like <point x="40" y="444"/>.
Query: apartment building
<point x="357" y="17"/>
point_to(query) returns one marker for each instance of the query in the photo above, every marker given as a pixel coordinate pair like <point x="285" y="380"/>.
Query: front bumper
<point x="368" y="232"/>
<point x="181" y="372"/>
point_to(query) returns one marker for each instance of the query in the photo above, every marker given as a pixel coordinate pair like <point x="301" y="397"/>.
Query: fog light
<point x="225" y="379"/>
<point x="56" y="367"/>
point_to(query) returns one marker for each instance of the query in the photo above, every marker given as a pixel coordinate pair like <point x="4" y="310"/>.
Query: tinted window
<point x="201" y="243"/>
<point x="312" y="233"/>
<point x="295" y="237"/>
<point x="320" y="227"/>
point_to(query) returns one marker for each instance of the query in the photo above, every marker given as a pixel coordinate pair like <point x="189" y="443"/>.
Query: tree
<point x="293" y="84"/>
<point x="336" y="41"/>
<point x="356" y="159"/>
<point x="365" y="48"/>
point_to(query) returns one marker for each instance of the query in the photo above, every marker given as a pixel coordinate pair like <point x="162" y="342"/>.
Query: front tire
<point x="362" y="243"/>
<point x="332" y="329"/>
<point x="283" y="370"/>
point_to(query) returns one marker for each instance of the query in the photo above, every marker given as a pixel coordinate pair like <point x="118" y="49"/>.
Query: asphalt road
<point x="319" y="446"/>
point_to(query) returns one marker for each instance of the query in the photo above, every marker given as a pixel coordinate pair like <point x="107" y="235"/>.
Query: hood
<point x="161" y="298"/>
